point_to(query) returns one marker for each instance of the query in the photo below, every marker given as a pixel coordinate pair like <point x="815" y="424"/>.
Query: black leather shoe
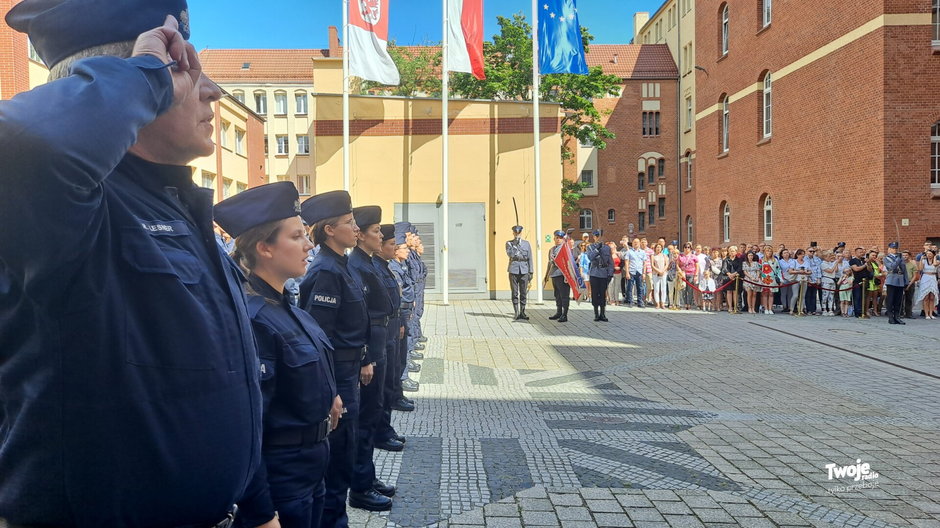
<point x="523" y="316"/>
<point x="415" y="355"/>
<point x="422" y="339"/>
<point x="390" y="445"/>
<point x="893" y="321"/>
<point x="556" y="316"/>
<point x="413" y="367"/>
<point x="603" y="319"/>
<point x="408" y="400"/>
<point x="369" y="500"/>
<point x="383" y="488"/>
<point x="403" y="406"/>
<point x="419" y="346"/>
<point x="897" y="320"/>
<point x="563" y="319"/>
<point x="409" y="385"/>
<point x="399" y="437"/>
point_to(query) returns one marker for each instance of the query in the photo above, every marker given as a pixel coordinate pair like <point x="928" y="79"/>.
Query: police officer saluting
<point x="367" y="492"/>
<point x="520" y="271"/>
<point x="334" y="296"/>
<point x="559" y="285"/>
<point x="301" y="405"/>
<point x="600" y="272"/>
<point x="130" y="389"/>
<point x="896" y="280"/>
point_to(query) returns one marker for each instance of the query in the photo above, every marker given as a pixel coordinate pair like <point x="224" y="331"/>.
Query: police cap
<point x="60" y="28"/>
<point x="401" y="229"/>
<point x="256" y="206"/>
<point x="517" y="229"/>
<point x="367" y="215"/>
<point x="559" y="233"/>
<point x="388" y="231"/>
<point x="598" y="232"/>
<point x="326" y="205"/>
<point x="893" y="245"/>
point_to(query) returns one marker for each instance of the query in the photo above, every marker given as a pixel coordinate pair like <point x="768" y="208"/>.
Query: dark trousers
<point x="392" y="383"/>
<point x="371" y="401"/>
<point x="519" y="284"/>
<point x="295" y="481"/>
<point x="624" y="284"/>
<point x="342" y="446"/>
<point x="811" y="294"/>
<point x="893" y="301"/>
<point x="599" y="291"/>
<point x="857" y="298"/>
<point x="635" y="282"/>
<point x="908" y="302"/>
<point x="562" y="294"/>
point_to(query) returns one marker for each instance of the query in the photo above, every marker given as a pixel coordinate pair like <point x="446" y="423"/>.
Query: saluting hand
<point x="167" y="44"/>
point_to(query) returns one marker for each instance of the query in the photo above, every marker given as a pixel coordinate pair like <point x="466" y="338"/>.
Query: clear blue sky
<point x="303" y="23"/>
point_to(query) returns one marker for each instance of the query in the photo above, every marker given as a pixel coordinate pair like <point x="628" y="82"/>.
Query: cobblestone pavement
<point x="666" y="419"/>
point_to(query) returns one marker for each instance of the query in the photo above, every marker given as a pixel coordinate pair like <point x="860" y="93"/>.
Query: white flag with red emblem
<point x="465" y="37"/>
<point x="368" y="42"/>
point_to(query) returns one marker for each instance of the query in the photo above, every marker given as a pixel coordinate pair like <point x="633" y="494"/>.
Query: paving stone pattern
<point x="665" y="419"/>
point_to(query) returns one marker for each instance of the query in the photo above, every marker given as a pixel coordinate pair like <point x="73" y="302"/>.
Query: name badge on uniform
<point x="165" y="227"/>
<point x="324" y="300"/>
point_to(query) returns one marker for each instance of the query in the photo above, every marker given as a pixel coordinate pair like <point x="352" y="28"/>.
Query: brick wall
<point x="14" y="57"/>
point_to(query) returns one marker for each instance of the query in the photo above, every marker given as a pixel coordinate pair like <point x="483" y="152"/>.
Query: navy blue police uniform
<point x="335" y="297"/>
<point x="383" y="429"/>
<point x="600" y="272"/>
<point x="128" y="372"/>
<point x="297" y="382"/>
<point x="364" y="484"/>
<point x="407" y="270"/>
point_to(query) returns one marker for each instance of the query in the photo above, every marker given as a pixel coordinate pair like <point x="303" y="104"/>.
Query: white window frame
<point x="261" y="103"/>
<point x="611" y="216"/>
<point x="283" y="144"/>
<point x="726" y="223"/>
<point x="226" y="188"/>
<point x="590" y="172"/>
<point x="688" y="171"/>
<point x="725" y="28"/>
<point x="688" y="229"/>
<point x="303" y="184"/>
<point x="300" y="101"/>
<point x="239" y="96"/>
<point x="768" y="106"/>
<point x="208" y="180"/>
<point x="767" y="8"/>
<point x="688" y="113"/>
<point x="935" y="156"/>
<point x="280" y="103"/>
<point x="303" y="144"/>
<point x="586" y="219"/>
<point x="725" y="124"/>
<point x="240" y="187"/>
<point x="935" y="10"/>
<point x="239" y="141"/>
<point x="768" y="218"/>
<point x="223" y="134"/>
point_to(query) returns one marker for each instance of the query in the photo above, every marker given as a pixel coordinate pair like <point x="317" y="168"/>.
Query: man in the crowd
<point x="861" y="273"/>
<point x="130" y="392"/>
<point x="910" y="267"/>
<point x="636" y="262"/>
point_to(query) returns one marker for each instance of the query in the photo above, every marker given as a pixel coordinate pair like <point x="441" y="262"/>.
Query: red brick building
<point x="817" y="123"/>
<point x="14" y="57"/>
<point x="634" y="182"/>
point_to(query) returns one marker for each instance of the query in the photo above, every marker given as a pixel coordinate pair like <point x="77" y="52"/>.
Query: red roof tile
<point x="633" y="61"/>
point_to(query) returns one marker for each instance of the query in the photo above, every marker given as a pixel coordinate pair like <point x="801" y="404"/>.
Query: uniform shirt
<point x="895" y="269"/>
<point x="602" y="264"/>
<point x="336" y="299"/>
<point x="388" y="279"/>
<point x="520" y="256"/>
<point x="296" y="380"/>
<point x="400" y="269"/>
<point x="378" y="303"/>
<point x="128" y="375"/>
<point x="554" y="270"/>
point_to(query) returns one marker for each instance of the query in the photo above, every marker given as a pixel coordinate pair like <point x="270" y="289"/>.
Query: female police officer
<point x="301" y="405"/>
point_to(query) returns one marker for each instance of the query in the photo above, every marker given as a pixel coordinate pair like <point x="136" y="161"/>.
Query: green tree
<point x="419" y="68"/>
<point x="570" y="194"/>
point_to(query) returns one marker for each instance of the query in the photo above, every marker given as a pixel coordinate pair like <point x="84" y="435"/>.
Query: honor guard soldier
<point x="301" y="405"/>
<point x="130" y="393"/>
<point x="392" y="397"/>
<point x="559" y="285"/>
<point x="335" y="297"/>
<point x="366" y="491"/>
<point x="400" y="267"/>
<point x="600" y="272"/>
<point x="520" y="271"/>
<point x="896" y="281"/>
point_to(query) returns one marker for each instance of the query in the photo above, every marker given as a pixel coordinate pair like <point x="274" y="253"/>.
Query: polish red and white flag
<point x="368" y="42"/>
<point x="465" y="37"/>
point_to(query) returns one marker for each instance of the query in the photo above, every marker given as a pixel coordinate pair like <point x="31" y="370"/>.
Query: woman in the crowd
<point x="799" y="273"/>
<point x="875" y="285"/>
<point x="584" y="267"/>
<point x="688" y="273"/>
<point x="659" y="265"/>
<point x="299" y="398"/>
<point x="751" y="269"/>
<point x="927" y="285"/>
<point x="614" y="285"/>
<point x="769" y="278"/>
<point x="786" y="292"/>
<point x="672" y="278"/>
<point x="830" y="276"/>
<point x="731" y="269"/>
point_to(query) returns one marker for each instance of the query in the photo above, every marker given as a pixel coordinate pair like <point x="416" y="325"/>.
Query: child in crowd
<point x="707" y="285"/>
<point x="845" y="292"/>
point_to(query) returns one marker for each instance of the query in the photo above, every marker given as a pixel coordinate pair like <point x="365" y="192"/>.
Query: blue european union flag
<point x="560" y="46"/>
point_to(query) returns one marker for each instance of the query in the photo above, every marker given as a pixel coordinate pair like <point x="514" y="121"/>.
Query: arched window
<point x="724" y="30"/>
<point x="261" y="102"/>
<point x="767" y="106"/>
<point x="640" y="181"/>
<point x="651" y="173"/>
<point x="586" y="219"/>
<point x="768" y="218"/>
<point x="280" y="103"/>
<point x="765" y="12"/>
<point x="611" y="216"/>
<point x="688" y="229"/>
<point x="239" y="96"/>
<point x="726" y="222"/>
<point x="688" y="169"/>
<point x="300" y="102"/>
<point x="725" y="122"/>
<point x="662" y="167"/>
<point x="935" y="154"/>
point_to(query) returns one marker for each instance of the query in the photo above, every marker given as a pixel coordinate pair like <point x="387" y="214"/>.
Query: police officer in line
<point x="401" y="267"/>
<point x="130" y="389"/>
<point x="366" y="491"/>
<point x="300" y="402"/>
<point x="896" y="281"/>
<point x="601" y="272"/>
<point x="520" y="271"/>
<point x="419" y="273"/>
<point x="392" y="398"/>
<point x="560" y="286"/>
<point x="335" y="297"/>
<point x="419" y="297"/>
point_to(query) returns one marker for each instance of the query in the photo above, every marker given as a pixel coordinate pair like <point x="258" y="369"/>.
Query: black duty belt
<point x="379" y="321"/>
<point x="350" y="354"/>
<point x="298" y="436"/>
<point x="394" y="315"/>
<point x="407" y="305"/>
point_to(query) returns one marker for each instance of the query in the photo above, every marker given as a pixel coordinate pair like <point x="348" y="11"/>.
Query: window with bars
<point x="651" y="122"/>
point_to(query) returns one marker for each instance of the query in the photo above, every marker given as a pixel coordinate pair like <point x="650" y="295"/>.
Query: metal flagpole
<point x="345" y="95"/>
<point x="537" y="140"/>
<point x="445" y="155"/>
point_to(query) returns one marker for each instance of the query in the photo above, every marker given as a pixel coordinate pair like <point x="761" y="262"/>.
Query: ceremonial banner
<point x="368" y="42"/>
<point x="465" y="37"/>
<point x="560" y="47"/>
<point x="566" y="263"/>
